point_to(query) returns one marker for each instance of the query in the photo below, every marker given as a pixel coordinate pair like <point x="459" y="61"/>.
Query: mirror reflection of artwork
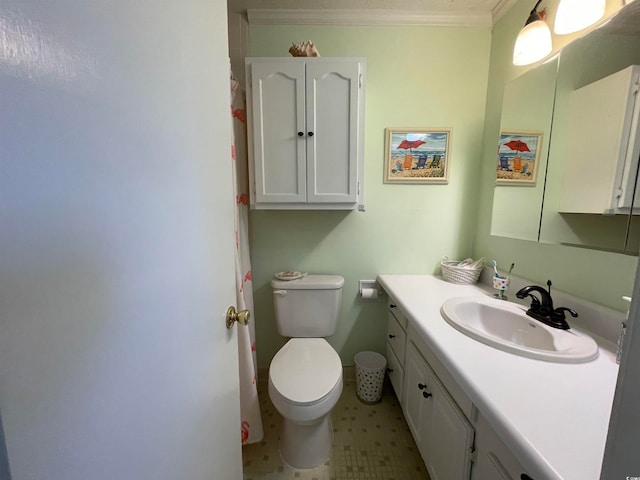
<point x="518" y="155"/>
<point x="417" y="155"/>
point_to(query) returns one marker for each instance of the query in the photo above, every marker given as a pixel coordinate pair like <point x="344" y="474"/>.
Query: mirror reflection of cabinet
<point x="527" y="107"/>
<point x="601" y="160"/>
<point x="583" y="63"/>
<point x="533" y="212"/>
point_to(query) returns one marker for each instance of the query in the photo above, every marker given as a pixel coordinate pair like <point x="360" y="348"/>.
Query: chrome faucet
<point x="542" y="308"/>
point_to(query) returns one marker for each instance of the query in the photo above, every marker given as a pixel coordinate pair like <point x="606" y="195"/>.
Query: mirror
<point x="581" y="180"/>
<point x="550" y="94"/>
<point x="525" y="131"/>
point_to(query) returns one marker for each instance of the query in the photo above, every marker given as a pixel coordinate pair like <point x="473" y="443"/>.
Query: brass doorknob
<point x="242" y="317"/>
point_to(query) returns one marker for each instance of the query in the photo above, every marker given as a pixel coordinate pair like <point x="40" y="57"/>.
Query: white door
<point x="116" y="242"/>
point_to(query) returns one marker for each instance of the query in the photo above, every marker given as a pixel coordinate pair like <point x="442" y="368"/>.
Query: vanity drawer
<point x="395" y="371"/>
<point x="394" y="310"/>
<point x="396" y="337"/>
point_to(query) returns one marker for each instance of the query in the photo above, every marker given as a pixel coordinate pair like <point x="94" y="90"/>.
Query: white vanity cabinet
<point x="396" y="342"/>
<point x="494" y="460"/>
<point x="443" y="433"/>
<point x="306" y="132"/>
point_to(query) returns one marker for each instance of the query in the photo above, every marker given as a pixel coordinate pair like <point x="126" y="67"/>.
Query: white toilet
<point x="305" y="375"/>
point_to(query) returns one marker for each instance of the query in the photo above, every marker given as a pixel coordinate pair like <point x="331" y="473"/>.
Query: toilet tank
<point x="308" y="306"/>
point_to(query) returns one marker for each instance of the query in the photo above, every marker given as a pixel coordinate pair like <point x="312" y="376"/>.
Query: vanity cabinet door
<point x="494" y="460"/>
<point x="443" y="434"/>
<point x="417" y="408"/>
<point x="449" y="442"/>
<point x="395" y="370"/>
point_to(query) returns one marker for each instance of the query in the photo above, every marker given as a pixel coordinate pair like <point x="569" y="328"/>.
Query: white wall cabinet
<point x="306" y="132"/>
<point x="603" y="146"/>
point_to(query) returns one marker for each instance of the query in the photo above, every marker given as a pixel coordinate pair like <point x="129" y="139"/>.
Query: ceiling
<point x="451" y="7"/>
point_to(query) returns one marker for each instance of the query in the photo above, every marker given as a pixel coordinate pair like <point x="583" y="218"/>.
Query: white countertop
<point x="553" y="416"/>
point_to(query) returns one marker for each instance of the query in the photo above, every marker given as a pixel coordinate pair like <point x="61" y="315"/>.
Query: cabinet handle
<point x="389" y="370"/>
<point x="300" y="134"/>
<point x="392" y="336"/>
<point x="422" y="386"/>
<point x="391" y="305"/>
<point x="426" y="394"/>
<point x="310" y="134"/>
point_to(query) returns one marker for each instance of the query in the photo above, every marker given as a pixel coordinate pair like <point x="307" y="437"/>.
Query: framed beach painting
<point x="417" y="155"/>
<point x="518" y="155"/>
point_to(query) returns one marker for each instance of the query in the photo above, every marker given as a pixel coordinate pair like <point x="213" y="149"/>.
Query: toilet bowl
<point x="305" y="383"/>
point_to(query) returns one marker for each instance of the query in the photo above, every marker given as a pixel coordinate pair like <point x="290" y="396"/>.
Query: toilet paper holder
<point x="368" y="289"/>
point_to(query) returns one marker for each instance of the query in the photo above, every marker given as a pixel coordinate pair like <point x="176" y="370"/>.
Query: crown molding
<point x="367" y="17"/>
<point x="501" y="8"/>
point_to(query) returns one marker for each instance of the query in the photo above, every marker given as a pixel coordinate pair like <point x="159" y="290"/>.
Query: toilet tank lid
<point x="310" y="282"/>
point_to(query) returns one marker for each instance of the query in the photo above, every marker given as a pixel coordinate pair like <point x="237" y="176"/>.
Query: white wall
<point x="114" y="115"/>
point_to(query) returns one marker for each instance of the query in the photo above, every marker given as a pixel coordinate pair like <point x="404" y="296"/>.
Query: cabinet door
<point x="417" y="408"/>
<point x="279" y="132"/>
<point x="494" y="459"/>
<point x="449" y="441"/>
<point x="395" y="371"/>
<point x="332" y="90"/>
<point x="443" y="435"/>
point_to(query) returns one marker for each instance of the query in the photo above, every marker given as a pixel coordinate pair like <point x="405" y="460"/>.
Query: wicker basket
<point x="452" y="273"/>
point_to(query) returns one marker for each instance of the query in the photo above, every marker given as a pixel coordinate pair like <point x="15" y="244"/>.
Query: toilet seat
<point x="305" y="370"/>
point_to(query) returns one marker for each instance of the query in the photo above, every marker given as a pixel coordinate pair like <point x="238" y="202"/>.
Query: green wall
<point x="416" y="77"/>
<point x="595" y="275"/>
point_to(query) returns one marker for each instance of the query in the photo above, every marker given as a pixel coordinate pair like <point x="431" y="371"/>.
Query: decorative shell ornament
<point x="304" y="49"/>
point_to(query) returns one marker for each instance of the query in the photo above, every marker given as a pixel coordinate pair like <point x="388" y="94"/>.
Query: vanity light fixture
<point x="574" y="15"/>
<point x="534" y="40"/>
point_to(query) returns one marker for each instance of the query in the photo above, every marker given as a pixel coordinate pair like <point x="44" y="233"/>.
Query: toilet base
<point x="306" y="445"/>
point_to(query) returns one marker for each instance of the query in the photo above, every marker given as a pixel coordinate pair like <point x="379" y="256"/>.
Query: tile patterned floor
<point x="371" y="442"/>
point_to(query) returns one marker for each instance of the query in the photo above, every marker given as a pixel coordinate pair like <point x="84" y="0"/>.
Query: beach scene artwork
<point x="417" y="155"/>
<point x="518" y="154"/>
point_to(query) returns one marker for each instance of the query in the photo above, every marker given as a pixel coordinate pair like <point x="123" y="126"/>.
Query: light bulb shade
<point x="574" y="15"/>
<point x="533" y="43"/>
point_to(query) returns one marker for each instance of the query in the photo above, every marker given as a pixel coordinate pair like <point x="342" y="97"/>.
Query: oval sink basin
<point x="506" y="326"/>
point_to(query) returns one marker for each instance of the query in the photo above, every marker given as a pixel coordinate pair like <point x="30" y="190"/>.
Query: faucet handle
<point x="559" y="312"/>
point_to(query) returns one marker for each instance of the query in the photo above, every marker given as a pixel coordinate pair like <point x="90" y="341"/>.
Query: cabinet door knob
<point x="426" y="394"/>
<point x="391" y="305"/>
<point x="392" y="336"/>
<point x="389" y="370"/>
<point x="310" y="134"/>
<point x="422" y="386"/>
<point x="300" y="134"/>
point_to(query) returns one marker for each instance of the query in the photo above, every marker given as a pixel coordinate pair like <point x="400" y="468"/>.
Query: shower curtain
<point x="250" y="418"/>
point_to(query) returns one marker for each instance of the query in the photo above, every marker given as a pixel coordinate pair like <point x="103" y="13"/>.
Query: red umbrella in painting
<point x="517" y="145"/>
<point x="404" y="144"/>
<point x="409" y="144"/>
